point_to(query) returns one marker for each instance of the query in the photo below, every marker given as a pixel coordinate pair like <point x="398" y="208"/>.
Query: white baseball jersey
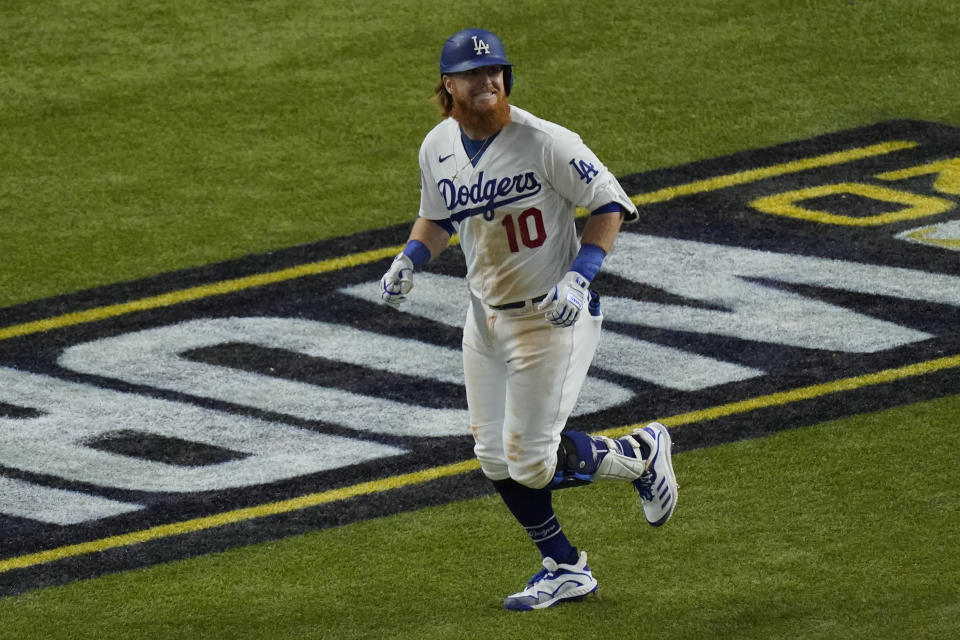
<point x="515" y="209"/>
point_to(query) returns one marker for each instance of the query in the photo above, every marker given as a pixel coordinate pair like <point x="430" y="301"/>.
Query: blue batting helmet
<point x="473" y="48"/>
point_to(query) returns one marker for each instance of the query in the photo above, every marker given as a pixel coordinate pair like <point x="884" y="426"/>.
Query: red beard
<point x="490" y="120"/>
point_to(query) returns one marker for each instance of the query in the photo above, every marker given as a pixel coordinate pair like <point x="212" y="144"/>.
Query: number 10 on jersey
<point x="528" y="226"/>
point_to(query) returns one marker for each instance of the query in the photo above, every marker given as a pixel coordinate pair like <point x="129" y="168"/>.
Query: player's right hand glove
<point x="397" y="281"/>
<point x="564" y="302"/>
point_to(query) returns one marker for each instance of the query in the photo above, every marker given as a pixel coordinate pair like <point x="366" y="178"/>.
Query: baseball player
<point x="509" y="183"/>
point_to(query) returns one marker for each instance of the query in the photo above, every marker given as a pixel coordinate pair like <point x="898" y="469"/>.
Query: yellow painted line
<point x="378" y="486"/>
<point x="927" y="235"/>
<point x="753" y="175"/>
<point x="196" y="293"/>
<point x="800" y="394"/>
<point x="239" y="515"/>
<point x="427" y="475"/>
<point x="258" y="280"/>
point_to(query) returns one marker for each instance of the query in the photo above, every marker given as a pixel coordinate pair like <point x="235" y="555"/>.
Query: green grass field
<point x="847" y="529"/>
<point x="140" y="139"/>
<point x="184" y="133"/>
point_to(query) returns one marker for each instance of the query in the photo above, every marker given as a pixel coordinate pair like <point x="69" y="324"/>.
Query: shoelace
<point x="538" y="576"/>
<point x="645" y="484"/>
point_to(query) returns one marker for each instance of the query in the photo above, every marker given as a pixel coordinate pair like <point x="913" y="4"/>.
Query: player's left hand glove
<point x="397" y="281"/>
<point x="565" y="300"/>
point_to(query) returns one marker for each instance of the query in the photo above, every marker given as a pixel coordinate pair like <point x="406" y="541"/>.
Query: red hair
<point x="442" y="99"/>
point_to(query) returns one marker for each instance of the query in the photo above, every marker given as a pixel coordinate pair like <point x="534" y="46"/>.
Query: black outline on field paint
<point x="200" y="290"/>
<point x="419" y="477"/>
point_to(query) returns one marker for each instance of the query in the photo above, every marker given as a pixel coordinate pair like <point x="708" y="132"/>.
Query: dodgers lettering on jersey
<point x="515" y="208"/>
<point x="486" y="195"/>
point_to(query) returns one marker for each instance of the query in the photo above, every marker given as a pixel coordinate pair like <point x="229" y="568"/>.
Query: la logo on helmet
<point x="480" y="46"/>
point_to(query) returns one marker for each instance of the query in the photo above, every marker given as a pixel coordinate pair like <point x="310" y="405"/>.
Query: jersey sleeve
<point x="578" y="175"/>
<point x="432" y="206"/>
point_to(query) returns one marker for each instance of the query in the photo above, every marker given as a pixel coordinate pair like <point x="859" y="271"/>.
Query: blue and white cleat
<point x="553" y="584"/>
<point x="657" y="485"/>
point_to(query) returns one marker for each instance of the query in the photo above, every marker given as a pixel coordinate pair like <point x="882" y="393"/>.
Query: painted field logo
<point x="275" y="394"/>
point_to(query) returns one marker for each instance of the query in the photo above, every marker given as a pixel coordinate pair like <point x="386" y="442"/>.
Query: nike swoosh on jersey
<point x="442" y="158"/>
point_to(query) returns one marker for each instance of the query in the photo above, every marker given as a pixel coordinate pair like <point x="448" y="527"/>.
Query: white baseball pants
<point x="523" y="377"/>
